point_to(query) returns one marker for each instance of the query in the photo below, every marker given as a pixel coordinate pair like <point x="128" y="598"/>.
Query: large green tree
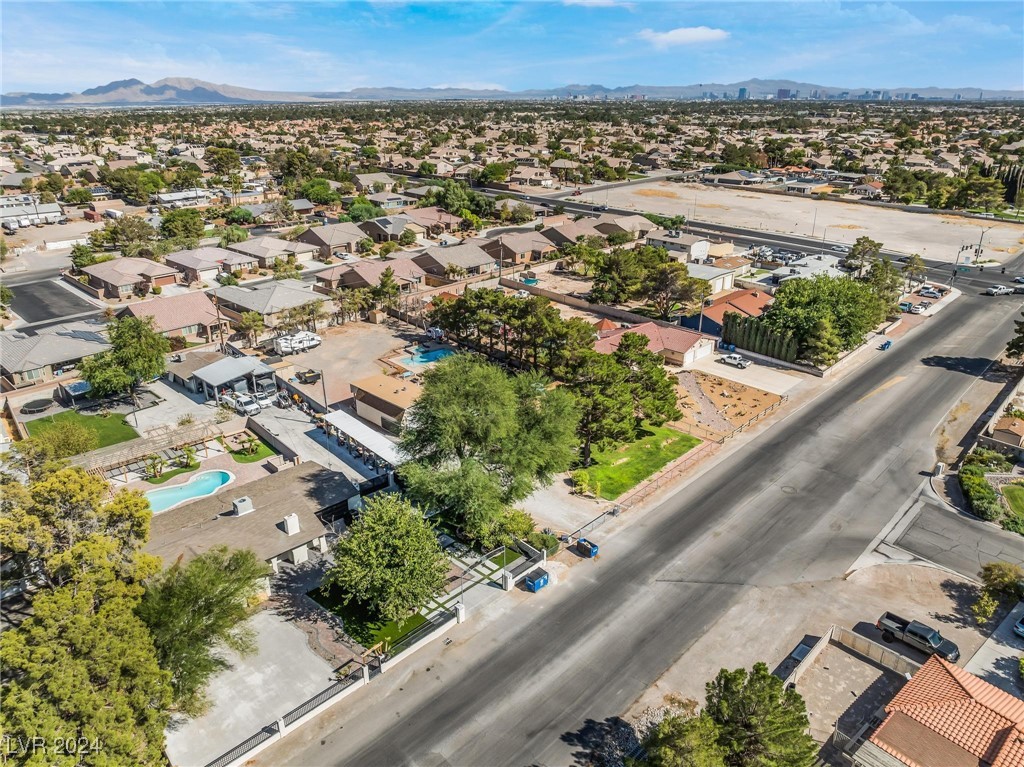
<point x="761" y="722"/>
<point x="886" y="281"/>
<point x="222" y="161"/>
<point x="390" y="562"/>
<point x="187" y="223"/>
<point x="864" y="252"/>
<point x="196" y="610"/>
<point x="652" y="390"/>
<point x="137" y="354"/>
<point x="669" y="288"/>
<point x="84" y="666"/>
<point x="607" y="408"/>
<point x="685" y="740"/>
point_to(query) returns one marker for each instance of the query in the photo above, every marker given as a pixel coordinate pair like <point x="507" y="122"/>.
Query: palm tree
<point x="251" y="324"/>
<point x="250" y="444"/>
<point x="236" y="187"/>
<point x="155" y="465"/>
<point x="316" y="311"/>
<point x="188" y="455"/>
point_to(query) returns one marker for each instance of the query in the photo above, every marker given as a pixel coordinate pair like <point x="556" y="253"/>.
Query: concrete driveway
<point x="176" y="405"/>
<point x="760" y="375"/>
<point x="997" y="660"/>
<point x="281" y="674"/>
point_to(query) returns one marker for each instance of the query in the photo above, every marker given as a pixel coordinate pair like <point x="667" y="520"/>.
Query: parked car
<point x="906" y="306"/>
<point x="1018" y="288"/>
<point x="999" y="290"/>
<point x="839" y="249"/>
<point x="243" y="404"/>
<point x="736" y="361"/>
<point x="917" y="309"/>
<point x="1018" y="627"/>
<point x="918" y="635"/>
<point x="929" y="293"/>
<point x="1018" y="279"/>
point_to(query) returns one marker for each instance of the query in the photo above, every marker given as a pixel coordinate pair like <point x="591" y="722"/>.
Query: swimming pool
<point x="202" y="484"/>
<point x="425" y="357"/>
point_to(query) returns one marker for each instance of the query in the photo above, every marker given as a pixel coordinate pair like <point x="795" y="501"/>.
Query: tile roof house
<point x="1009" y="430"/>
<point x="365" y="181"/>
<point x="333" y="239"/>
<point x="269" y="250"/>
<point x="32" y="357"/>
<point x="204" y="264"/>
<point x="434" y="220"/>
<point x="468" y="258"/>
<point x="190" y="315"/>
<point x="947" y="717"/>
<point x="367" y="272"/>
<point x="635" y="224"/>
<point x="268" y="300"/>
<point x="389" y="228"/>
<point x="283" y="520"/>
<point x="390" y="200"/>
<point x="124" y="277"/>
<point x="520" y="248"/>
<point x="678" y="346"/>
<point x="570" y="232"/>
<point x="749" y="303"/>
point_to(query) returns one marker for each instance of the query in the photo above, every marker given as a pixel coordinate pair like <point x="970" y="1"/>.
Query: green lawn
<point x="623" y="467"/>
<point x="505" y="558"/>
<point x="262" y="453"/>
<point x="360" y="626"/>
<point x="173" y="473"/>
<point x="109" y="429"/>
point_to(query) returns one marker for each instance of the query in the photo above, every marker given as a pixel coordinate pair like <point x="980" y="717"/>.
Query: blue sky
<point x="316" y="45"/>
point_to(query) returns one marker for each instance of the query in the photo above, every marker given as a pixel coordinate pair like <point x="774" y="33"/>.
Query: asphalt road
<point x="796" y="503"/>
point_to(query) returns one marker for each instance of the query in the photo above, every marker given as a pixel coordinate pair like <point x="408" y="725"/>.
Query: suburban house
<point x="125" y="277"/>
<point x="367" y="273"/>
<point x="946" y="717"/>
<point x="434" y="220"/>
<point x="266" y="300"/>
<point x="570" y="232"/>
<point x="678" y="346"/>
<point x="870" y="189"/>
<point x="389" y="228"/>
<point x="50" y="354"/>
<point x="614" y="223"/>
<point x="192" y="316"/>
<point x="1009" y="430"/>
<point x="333" y="239"/>
<point x="737" y="178"/>
<point x="811" y="266"/>
<point x="691" y="247"/>
<point x="390" y="200"/>
<point x="748" y="303"/>
<point x="384" y="400"/>
<point x="204" y="264"/>
<point x="302" y="206"/>
<point x="281" y="517"/>
<point x="807" y="187"/>
<point x="186" y="198"/>
<point x="368" y="182"/>
<point x="453" y="261"/>
<point x="526" y="176"/>
<point x="520" y="248"/>
<point x="270" y="250"/>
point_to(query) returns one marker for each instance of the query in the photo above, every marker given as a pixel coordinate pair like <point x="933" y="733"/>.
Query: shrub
<point x="157" y="290"/>
<point x="984" y="608"/>
<point x="543" y="542"/>
<point x="981" y="496"/>
<point x="178" y="343"/>
<point x="580" y="481"/>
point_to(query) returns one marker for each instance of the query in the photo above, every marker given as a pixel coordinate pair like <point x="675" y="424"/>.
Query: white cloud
<point x="682" y="36"/>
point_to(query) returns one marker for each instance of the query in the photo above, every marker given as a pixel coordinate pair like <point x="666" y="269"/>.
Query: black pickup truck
<point x="918" y="635"/>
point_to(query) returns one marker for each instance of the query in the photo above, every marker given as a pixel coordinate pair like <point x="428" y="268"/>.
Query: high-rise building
<point x="742" y="95"/>
<point x="782" y="93"/>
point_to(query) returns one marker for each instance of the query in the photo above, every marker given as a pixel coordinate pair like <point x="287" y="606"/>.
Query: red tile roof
<point x="751" y="303"/>
<point x="660" y="338"/>
<point x="947" y="717"/>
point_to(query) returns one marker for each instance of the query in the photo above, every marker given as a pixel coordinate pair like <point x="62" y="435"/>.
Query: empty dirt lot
<point x="933" y="236"/>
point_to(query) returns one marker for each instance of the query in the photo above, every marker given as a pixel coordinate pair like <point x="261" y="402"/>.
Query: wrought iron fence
<point x="322" y="697"/>
<point x="433" y="623"/>
<point x="245" y="746"/>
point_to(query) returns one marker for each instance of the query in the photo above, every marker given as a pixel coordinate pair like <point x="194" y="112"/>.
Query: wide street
<point x="797" y="503"/>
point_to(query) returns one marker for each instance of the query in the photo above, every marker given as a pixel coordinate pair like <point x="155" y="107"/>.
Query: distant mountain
<point x="185" y="90"/>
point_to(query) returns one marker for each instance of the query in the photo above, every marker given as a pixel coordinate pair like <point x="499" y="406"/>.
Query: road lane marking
<point x="887" y="385"/>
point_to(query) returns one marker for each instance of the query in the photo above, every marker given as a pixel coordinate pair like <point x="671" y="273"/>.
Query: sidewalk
<point x="997" y="660"/>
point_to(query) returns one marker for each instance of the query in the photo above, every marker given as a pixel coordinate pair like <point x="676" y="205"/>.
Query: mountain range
<point x="177" y="91"/>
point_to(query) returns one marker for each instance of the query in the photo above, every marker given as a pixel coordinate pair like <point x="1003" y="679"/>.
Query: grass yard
<point x="263" y="452"/>
<point x="621" y="468"/>
<point x="109" y="430"/>
<point x="173" y="473"/>
<point x="360" y="626"/>
<point x="507" y="557"/>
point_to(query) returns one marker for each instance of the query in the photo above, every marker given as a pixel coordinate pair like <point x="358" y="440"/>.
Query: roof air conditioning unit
<point x="241" y="506"/>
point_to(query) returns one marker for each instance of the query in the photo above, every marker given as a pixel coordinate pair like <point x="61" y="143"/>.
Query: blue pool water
<point x="423" y="357"/>
<point x="203" y="483"/>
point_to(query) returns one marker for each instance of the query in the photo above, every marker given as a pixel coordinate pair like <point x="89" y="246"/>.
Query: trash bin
<point x="587" y="549"/>
<point x="536" y="580"/>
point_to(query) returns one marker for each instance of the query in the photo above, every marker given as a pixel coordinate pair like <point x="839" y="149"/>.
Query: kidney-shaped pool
<point x="202" y="484"/>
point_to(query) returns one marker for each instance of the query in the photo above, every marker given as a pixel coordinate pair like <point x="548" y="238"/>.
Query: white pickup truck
<point x="736" y="361"/>
<point x="244" y="404"/>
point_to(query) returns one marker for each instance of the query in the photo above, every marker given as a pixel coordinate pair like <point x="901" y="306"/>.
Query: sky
<point x="315" y="45"/>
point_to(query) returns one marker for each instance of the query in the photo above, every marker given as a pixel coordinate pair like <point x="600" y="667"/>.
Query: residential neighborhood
<point x="385" y="414"/>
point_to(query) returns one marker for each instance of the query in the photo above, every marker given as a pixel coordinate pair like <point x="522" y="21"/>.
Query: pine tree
<point x="823" y="344"/>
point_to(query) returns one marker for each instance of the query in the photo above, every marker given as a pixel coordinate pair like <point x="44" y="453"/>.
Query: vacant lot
<point x="109" y="429"/>
<point x="621" y="468"/>
<point x="933" y="236"/>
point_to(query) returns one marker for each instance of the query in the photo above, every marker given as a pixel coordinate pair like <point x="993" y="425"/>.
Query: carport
<point x="231" y="374"/>
<point x="363" y="441"/>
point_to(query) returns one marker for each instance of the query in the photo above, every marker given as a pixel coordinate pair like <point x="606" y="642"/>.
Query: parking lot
<point x="49" y="301"/>
<point x="348" y="353"/>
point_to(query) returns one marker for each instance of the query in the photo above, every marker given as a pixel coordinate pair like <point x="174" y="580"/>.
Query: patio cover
<point x="230" y="369"/>
<point x="369" y="438"/>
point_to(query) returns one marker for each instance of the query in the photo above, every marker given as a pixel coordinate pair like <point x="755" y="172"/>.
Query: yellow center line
<point x="887" y="385"/>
